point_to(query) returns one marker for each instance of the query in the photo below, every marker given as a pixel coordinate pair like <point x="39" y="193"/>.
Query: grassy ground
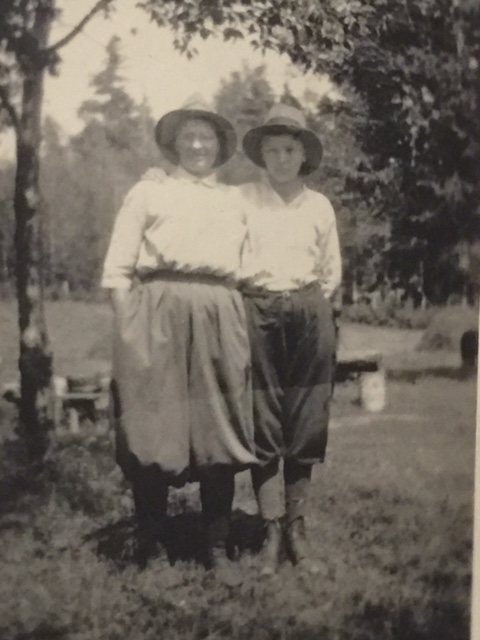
<point x="390" y="517"/>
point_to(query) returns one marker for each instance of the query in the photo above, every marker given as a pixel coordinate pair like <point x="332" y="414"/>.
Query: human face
<point x="283" y="157"/>
<point x="197" y="146"/>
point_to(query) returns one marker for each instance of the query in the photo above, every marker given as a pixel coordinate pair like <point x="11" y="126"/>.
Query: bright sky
<point x="152" y="69"/>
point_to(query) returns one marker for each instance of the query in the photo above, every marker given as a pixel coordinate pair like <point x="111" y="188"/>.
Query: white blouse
<point x="290" y="245"/>
<point x="176" y="223"/>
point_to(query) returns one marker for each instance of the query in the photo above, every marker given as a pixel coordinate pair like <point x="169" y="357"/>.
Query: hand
<point x="336" y="303"/>
<point x="156" y="174"/>
<point x="336" y="312"/>
<point x="118" y="298"/>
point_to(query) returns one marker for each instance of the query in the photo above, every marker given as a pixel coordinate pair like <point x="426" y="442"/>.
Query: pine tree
<point x="244" y="98"/>
<point x="113" y="149"/>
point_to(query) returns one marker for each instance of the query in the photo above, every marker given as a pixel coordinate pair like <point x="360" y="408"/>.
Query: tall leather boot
<point x="271" y="554"/>
<point x="297" y="484"/>
<point x="296" y="541"/>
<point x="217" y="488"/>
<point x="150" y="496"/>
<point x="267" y="485"/>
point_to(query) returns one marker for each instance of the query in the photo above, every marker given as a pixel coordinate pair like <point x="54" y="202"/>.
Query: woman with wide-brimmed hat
<point x="292" y="269"/>
<point x="181" y="394"/>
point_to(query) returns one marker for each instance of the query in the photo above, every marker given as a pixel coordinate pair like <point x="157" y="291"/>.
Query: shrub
<point x="446" y="328"/>
<point x="389" y="315"/>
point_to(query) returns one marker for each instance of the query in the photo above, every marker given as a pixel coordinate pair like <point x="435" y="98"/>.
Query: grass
<point x="79" y="333"/>
<point x="390" y="517"/>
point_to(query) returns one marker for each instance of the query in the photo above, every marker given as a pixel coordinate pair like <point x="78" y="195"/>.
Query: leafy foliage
<point x="314" y="34"/>
<point x="420" y="80"/>
<point x="362" y="197"/>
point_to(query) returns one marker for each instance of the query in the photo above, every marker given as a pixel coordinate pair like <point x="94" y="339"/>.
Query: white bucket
<point x="373" y="392"/>
<point x="60" y="386"/>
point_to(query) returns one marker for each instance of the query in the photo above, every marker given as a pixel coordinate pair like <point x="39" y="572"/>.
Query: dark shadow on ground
<point x="446" y="622"/>
<point x="118" y="541"/>
<point x="115" y="541"/>
<point x="19" y="480"/>
<point x="451" y="373"/>
<point x="45" y="631"/>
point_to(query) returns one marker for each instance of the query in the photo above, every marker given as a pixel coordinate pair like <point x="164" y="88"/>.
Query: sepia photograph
<point x="239" y="317"/>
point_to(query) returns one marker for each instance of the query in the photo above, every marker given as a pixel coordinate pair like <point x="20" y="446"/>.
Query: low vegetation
<point x="390" y="517"/>
<point x="446" y="328"/>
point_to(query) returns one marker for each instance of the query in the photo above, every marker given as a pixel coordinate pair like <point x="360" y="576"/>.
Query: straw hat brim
<point x="252" y="144"/>
<point x="167" y="127"/>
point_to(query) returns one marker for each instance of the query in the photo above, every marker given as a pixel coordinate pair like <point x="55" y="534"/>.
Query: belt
<point x="253" y="292"/>
<point x="189" y="278"/>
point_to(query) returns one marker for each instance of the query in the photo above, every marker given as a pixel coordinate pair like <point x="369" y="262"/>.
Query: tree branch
<point x="9" y="108"/>
<point x="99" y="6"/>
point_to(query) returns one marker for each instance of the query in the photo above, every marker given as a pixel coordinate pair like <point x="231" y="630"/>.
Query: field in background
<point x="390" y="514"/>
<point x="80" y="336"/>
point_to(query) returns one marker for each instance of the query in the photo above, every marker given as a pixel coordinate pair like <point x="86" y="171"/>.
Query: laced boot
<point x="215" y="548"/>
<point x="150" y="541"/>
<point x="270" y="555"/>
<point x="298" y="547"/>
<point x="150" y="495"/>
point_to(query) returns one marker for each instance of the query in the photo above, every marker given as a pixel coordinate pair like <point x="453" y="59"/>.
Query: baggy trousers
<point x="181" y="372"/>
<point x="181" y="396"/>
<point x="292" y="338"/>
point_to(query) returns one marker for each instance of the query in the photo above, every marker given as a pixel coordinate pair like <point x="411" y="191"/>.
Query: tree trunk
<point x="35" y="362"/>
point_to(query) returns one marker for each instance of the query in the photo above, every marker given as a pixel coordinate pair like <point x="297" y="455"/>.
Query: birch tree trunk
<point x="35" y="363"/>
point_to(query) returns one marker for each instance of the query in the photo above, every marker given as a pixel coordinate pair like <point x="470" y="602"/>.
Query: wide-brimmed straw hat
<point x="284" y="119"/>
<point x="167" y="127"/>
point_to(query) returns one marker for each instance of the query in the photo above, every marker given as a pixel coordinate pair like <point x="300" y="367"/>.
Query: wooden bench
<point x="355" y="363"/>
<point x="75" y="404"/>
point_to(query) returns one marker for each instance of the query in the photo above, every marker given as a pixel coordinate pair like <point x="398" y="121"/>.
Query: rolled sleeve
<point x="126" y="240"/>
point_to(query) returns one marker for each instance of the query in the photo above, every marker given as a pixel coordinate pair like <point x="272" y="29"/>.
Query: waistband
<point x="187" y="278"/>
<point x="261" y="292"/>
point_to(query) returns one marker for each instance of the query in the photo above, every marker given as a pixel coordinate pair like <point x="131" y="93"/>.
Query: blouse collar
<point x="272" y="195"/>
<point x="208" y="181"/>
